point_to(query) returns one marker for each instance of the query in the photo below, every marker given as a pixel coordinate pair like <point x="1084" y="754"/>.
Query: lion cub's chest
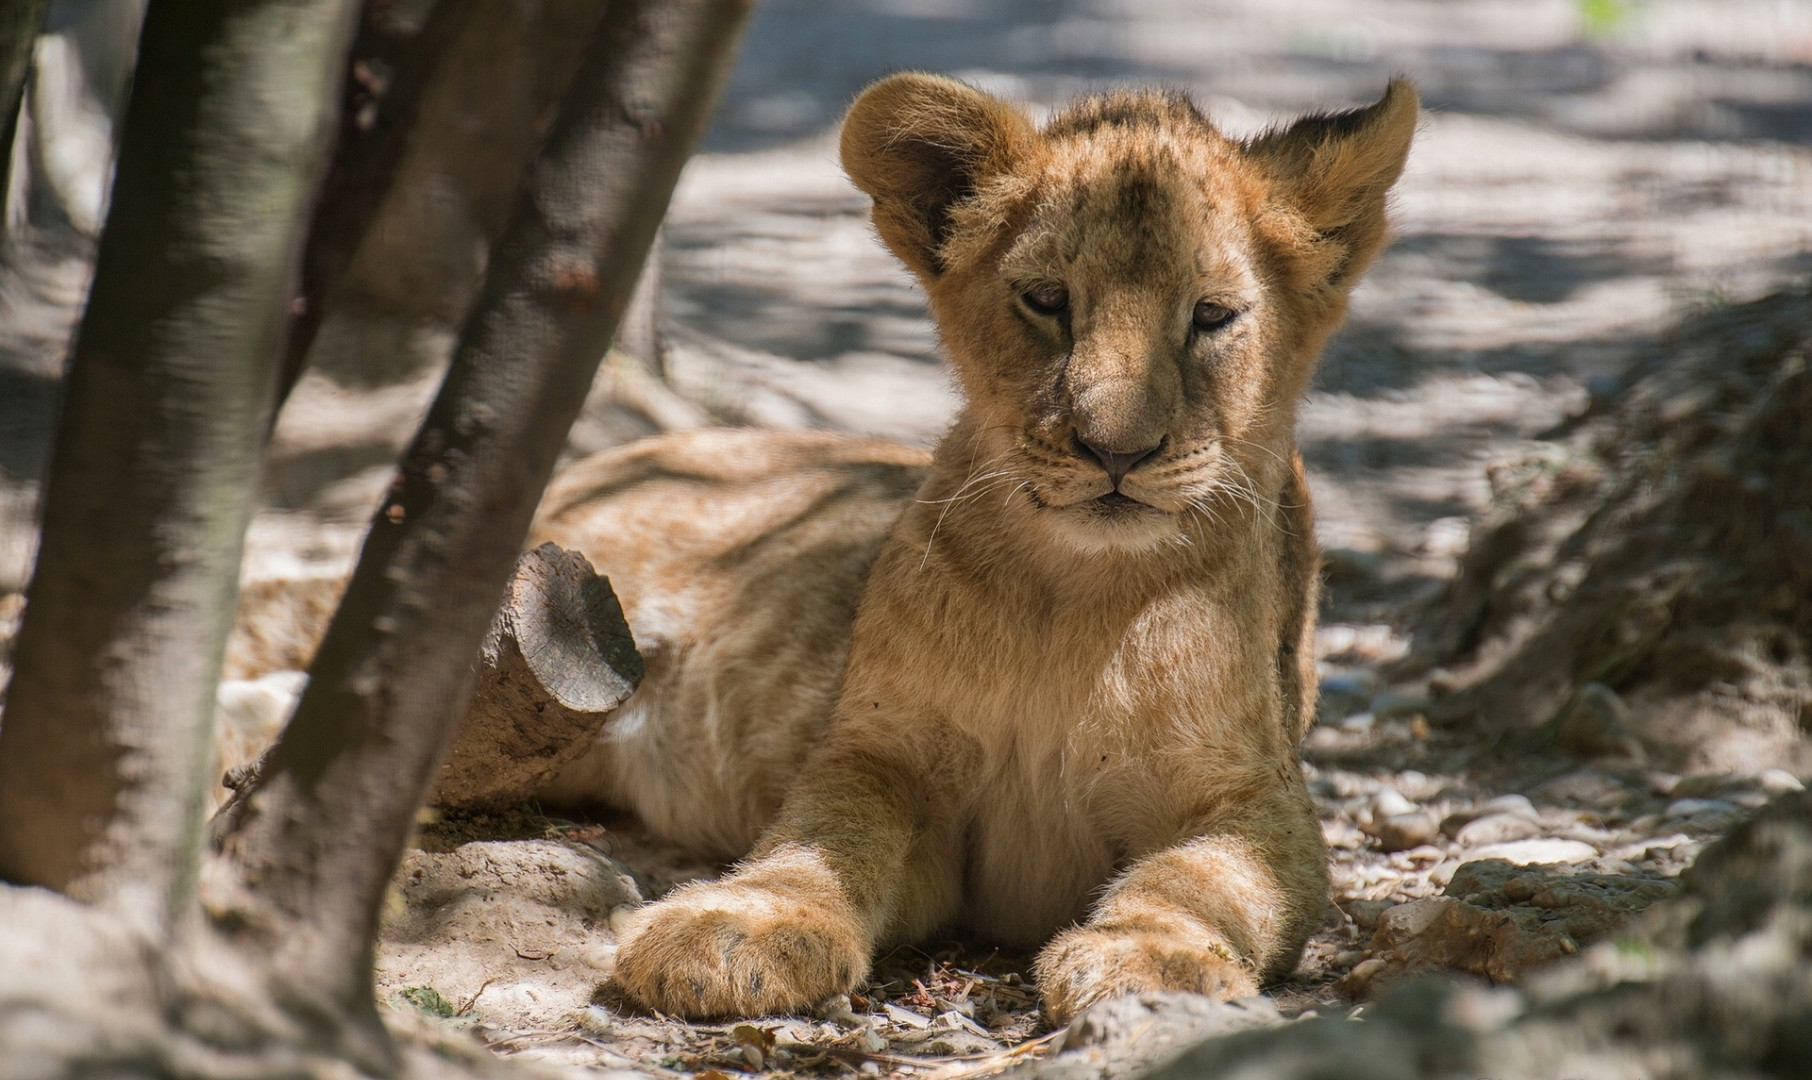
<point x="1062" y="798"/>
<point x="1035" y="850"/>
<point x="1084" y="756"/>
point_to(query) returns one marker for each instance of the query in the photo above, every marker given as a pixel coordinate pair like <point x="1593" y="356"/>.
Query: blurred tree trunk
<point x="156" y="457"/>
<point x="386" y="284"/>
<point x="20" y="23"/>
<point x="388" y="74"/>
<point x="313" y="840"/>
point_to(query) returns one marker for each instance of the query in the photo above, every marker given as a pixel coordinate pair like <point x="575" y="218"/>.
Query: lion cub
<point x="1053" y="680"/>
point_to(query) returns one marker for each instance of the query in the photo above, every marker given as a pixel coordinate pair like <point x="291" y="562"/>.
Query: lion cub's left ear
<point x="919" y="144"/>
<point x="1334" y="172"/>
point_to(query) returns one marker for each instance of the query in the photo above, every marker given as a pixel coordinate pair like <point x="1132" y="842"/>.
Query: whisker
<point x="976" y="485"/>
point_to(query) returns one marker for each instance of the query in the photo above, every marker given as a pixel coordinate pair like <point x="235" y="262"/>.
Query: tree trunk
<point x="315" y="838"/>
<point x="377" y="118"/>
<point x="391" y="275"/>
<point x="156" y="457"/>
<point x="20" y="23"/>
<point x="557" y="661"/>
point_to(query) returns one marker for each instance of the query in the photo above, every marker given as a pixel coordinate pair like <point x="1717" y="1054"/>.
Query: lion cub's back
<point x="739" y="556"/>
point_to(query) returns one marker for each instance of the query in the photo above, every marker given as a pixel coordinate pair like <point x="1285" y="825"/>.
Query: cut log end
<point x="558" y="660"/>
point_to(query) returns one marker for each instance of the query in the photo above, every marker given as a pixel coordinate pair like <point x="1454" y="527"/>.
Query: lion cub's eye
<point x="1046" y="299"/>
<point x="1211" y="316"/>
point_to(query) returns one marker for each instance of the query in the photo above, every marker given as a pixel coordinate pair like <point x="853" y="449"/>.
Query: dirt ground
<point x="1594" y="185"/>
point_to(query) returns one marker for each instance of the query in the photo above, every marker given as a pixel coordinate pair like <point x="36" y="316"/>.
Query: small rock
<point x="1594" y="723"/>
<point x="1416" y="784"/>
<point x="1389" y="803"/>
<point x="1481" y="877"/>
<point x="870" y="1040"/>
<point x="1542" y="851"/>
<point x="1392" y="704"/>
<point x="1405" y="921"/>
<point x="1704" y="815"/>
<point x="1779" y="782"/>
<point x="595" y="1022"/>
<point x="1360" y="721"/>
<point x="1496" y="829"/>
<point x="1511" y="804"/>
<point x="1366" y="913"/>
<point x="1341" y="833"/>
<point x="1165" y="1020"/>
<point x="1691" y="807"/>
<point x="1707" y="786"/>
<point x="1400" y="832"/>
<point x="1358" y="981"/>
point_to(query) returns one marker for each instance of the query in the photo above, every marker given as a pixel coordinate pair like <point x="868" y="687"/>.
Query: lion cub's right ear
<point x="919" y="144"/>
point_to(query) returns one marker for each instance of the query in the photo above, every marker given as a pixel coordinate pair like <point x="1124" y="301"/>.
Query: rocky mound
<point x="1640" y="589"/>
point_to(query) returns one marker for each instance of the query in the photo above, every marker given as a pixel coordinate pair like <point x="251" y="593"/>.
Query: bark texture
<point x="557" y="661"/>
<point x="314" y="841"/>
<point x="156" y="455"/>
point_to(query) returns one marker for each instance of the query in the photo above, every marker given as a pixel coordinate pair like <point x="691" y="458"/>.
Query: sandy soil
<point x="1586" y="175"/>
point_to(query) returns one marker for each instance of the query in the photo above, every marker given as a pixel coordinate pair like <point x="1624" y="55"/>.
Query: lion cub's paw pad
<point x="1083" y="966"/>
<point x="705" y="954"/>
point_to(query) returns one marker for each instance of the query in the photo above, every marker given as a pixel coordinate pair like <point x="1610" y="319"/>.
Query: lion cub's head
<point x="1132" y="300"/>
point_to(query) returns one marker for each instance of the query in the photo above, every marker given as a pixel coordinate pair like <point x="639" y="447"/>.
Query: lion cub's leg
<point x="1217" y="914"/>
<point x="851" y="862"/>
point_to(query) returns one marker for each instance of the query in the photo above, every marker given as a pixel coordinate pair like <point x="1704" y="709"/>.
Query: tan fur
<point x="1052" y="711"/>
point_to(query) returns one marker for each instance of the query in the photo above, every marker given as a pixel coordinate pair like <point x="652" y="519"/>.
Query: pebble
<point x="1595" y="723"/>
<point x="1361" y="721"/>
<point x="595" y="1022"/>
<point x="1511" y="804"/>
<point x="1779" y="782"/>
<point x="1496" y="829"/>
<point x="1401" y="832"/>
<point x="1340" y="833"/>
<point x="1416" y="784"/>
<point x="1704" y="815"/>
<point x="1537" y="851"/>
<point x="1691" y="808"/>
<point x="1707" y="786"/>
<point x="1389" y="803"/>
<point x="1366" y="913"/>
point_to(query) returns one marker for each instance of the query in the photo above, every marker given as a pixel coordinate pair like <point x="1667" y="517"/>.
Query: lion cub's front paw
<point x="1085" y="965"/>
<point x="736" y="949"/>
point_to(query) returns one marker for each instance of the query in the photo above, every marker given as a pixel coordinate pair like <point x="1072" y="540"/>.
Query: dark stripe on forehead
<point x="1144" y="109"/>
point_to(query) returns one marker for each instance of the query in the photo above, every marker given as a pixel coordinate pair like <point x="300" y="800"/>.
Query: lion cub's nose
<point x="1117" y="463"/>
